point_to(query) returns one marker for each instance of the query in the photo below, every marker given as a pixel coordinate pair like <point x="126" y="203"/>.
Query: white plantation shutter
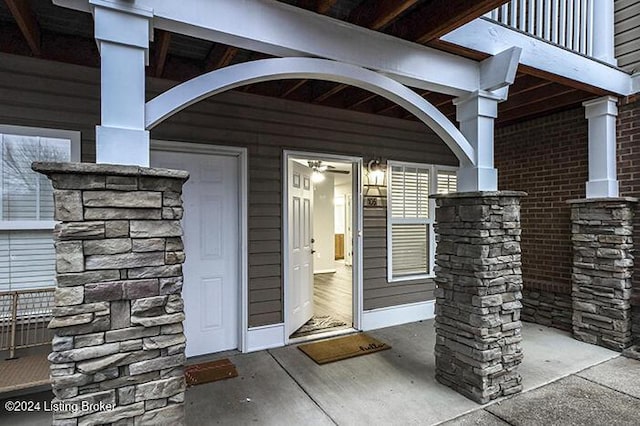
<point x="410" y="249"/>
<point x="409" y="220"/>
<point x="27" y="255"/>
<point x="447" y="181"/>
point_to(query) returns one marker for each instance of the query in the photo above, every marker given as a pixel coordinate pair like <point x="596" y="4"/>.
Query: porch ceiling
<point x="38" y="28"/>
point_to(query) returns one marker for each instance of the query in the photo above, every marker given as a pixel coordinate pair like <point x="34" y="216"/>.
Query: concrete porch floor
<point x="565" y="382"/>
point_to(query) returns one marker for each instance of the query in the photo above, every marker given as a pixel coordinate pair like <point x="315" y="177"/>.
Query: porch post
<point x="122" y="32"/>
<point x="603" y="31"/>
<point x="602" y="114"/>
<point x="118" y="346"/>
<point x="479" y="279"/>
<point x="602" y="237"/>
<point x="476" y="114"/>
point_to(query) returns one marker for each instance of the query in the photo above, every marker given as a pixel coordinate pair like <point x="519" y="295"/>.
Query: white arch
<point x="196" y="89"/>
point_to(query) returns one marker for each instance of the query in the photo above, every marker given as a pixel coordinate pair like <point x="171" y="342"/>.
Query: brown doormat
<point x="206" y="372"/>
<point x="332" y="350"/>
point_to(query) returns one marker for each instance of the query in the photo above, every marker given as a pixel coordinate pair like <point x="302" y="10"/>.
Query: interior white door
<point x="299" y="286"/>
<point x="211" y="232"/>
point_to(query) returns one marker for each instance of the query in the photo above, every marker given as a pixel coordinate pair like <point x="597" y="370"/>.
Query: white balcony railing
<point x="583" y="26"/>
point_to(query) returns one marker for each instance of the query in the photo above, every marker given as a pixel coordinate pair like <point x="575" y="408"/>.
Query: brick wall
<point x="629" y="177"/>
<point x="547" y="158"/>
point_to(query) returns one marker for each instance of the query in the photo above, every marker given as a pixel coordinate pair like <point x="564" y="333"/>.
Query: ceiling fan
<point x="318" y="167"/>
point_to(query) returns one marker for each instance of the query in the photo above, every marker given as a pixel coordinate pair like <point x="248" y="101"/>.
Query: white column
<point x="602" y="32"/>
<point x="122" y="32"/>
<point x="602" y="114"/>
<point x="476" y="114"/>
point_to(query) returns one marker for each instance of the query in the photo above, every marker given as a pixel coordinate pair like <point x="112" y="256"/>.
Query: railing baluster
<point x="583" y="26"/>
<point x="554" y="20"/>
<point x="568" y="23"/>
<point x="576" y="25"/>
<point x="522" y="22"/>
<point x="504" y="14"/>
<point x="532" y="16"/>
<point x="514" y="13"/>
<point x="539" y="17"/>
<point x="547" y="19"/>
<point x="569" y="41"/>
<point x="589" y="28"/>
<point x="563" y="23"/>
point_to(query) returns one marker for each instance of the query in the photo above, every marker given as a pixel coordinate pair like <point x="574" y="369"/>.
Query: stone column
<point x="118" y="349"/>
<point x="602" y="237"/>
<point x="479" y="278"/>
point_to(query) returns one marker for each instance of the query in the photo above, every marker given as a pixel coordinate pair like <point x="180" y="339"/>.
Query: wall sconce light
<point x="376" y="172"/>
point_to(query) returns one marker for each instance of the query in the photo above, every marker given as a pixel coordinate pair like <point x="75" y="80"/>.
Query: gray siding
<point x="44" y="94"/>
<point x="627" y="34"/>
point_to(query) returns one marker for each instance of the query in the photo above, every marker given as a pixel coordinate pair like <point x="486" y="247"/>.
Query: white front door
<point x="211" y="232"/>
<point x="299" y="286"/>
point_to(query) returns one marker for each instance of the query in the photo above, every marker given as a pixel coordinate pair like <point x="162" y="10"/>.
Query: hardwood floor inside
<point x="332" y="294"/>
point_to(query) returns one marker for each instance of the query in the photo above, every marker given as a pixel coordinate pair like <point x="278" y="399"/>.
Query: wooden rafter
<point x="326" y="95"/>
<point x="324" y="5"/>
<point x="372" y="14"/>
<point x="292" y="87"/>
<point x="546" y="106"/>
<point x="27" y="23"/>
<point x="438" y="17"/>
<point x="163" y="40"/>
<point x="363" y="100"/>
<point x="220" y="56"/>
<point x="376" y="14"/>
<point x="320" y="6"/>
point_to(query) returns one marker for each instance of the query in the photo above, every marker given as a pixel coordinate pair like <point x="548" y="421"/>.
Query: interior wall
<point x="323" y="226"/>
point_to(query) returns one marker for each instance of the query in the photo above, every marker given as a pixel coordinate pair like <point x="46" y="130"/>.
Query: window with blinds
<point x="410" y="214"/>
<point x="27" y="255"/>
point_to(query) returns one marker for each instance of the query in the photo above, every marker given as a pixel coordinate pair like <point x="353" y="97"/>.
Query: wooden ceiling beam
<point x="363" y="100"/>
<point x="544" y="106"/>
<point x="376" y="14"/>
<point x="320" y="6"/>
<point x="27" y="23"/>
<point x="323" y="6"/>
<point x="163" y="40"/>
<point x="220" y="56"/>
<point x="438" y="17"/>
<point x="333" y="91"/>
<point x="293" y="86"/>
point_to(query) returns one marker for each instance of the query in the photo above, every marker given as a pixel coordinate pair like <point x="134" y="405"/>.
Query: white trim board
<point x="397" y="315"/>
<point x="264" y="337"/>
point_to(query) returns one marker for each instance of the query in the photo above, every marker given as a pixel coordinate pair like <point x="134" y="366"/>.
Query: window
<point x="27" y="256"/>
<point x="410" y="216"/>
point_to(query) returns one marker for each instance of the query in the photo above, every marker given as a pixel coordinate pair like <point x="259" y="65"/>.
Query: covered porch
<point x="398" y="386"/>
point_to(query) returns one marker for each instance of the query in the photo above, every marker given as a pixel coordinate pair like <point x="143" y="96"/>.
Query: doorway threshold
<point x="322" y="335"/>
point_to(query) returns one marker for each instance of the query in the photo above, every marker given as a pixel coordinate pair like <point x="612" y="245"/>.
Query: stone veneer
<point x="118" y="307"/>
<point x="602" y="236"/>
<point x="547" y="308"/>
<point x="479" y="278"/>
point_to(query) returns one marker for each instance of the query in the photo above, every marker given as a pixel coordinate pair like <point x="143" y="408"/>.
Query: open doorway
<point x="320" y="276"/>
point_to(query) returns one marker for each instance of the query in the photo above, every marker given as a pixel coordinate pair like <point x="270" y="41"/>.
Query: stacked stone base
<point x="547" y="308"/>
<point x="479" y="278"/>
<point x="118" y="348"/>
<point x="602" y="237"/>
